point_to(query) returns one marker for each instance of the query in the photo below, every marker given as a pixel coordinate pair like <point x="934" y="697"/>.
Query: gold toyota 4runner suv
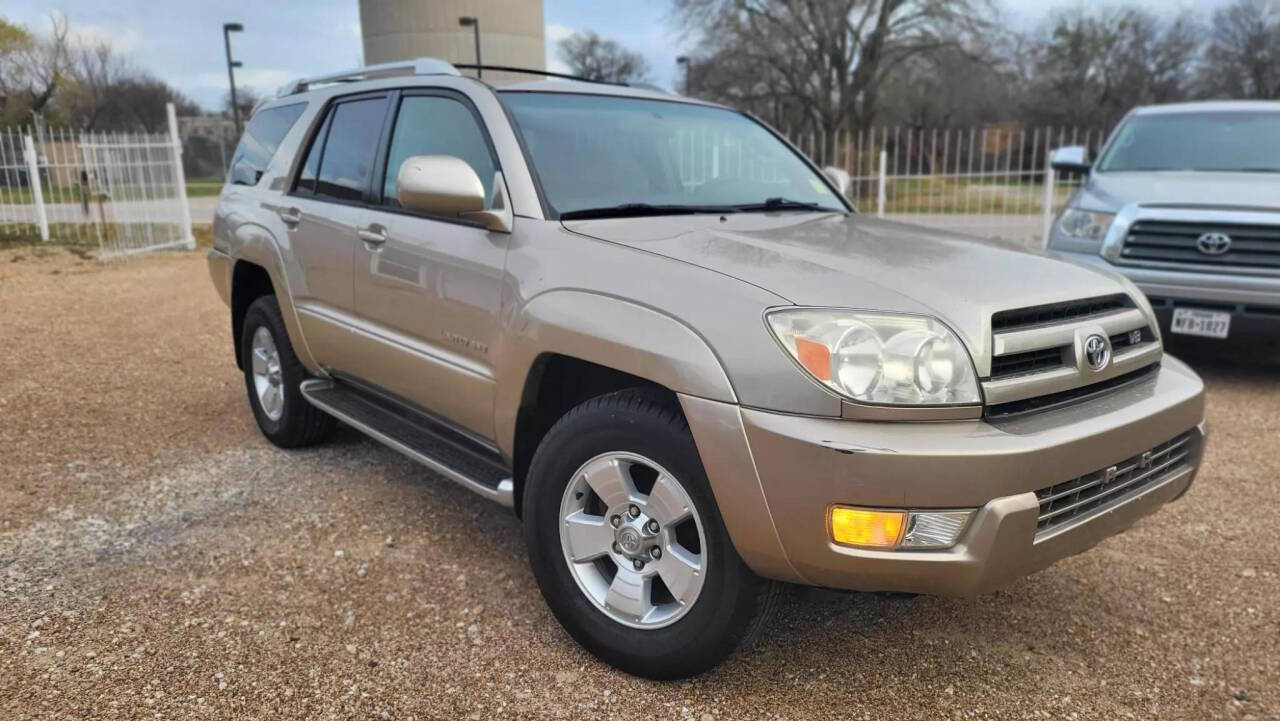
<point x="664" y="338"/>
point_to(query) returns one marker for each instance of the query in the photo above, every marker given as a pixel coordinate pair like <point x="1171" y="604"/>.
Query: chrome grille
<point x="1256" y="246"/>
<point x="1085" y="496"/>
<point x="1036" y="350"/>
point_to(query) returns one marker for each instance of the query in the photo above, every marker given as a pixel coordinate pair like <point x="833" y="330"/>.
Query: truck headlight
<point x="872" y="357"/>
<point x="1085" y="224"/>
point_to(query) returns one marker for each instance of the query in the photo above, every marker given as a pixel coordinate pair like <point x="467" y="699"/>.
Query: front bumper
<point x="800" y="466"/>
<point x="1253" y="300"/>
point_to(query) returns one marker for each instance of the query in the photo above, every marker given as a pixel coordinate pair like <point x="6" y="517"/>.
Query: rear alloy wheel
<point x="272" y="374"/>
<point x="627" y="544"/>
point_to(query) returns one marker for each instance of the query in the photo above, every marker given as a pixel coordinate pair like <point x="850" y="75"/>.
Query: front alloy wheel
<point x="633" y="540"/>
<point x="627" y="544"/>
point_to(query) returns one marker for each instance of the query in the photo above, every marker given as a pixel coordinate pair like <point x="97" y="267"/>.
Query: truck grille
<point x="1255" y="246"/>
<point x="1034" y="351"/>
<point x="1085" y="496"/>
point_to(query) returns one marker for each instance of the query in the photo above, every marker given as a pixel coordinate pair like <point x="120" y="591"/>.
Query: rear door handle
<point x="373" y="235"/>
<point x="290" y="216"/>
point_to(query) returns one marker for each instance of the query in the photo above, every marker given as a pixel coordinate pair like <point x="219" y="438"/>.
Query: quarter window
<point x="434" y="125"/>
<point x="265" y="132"/>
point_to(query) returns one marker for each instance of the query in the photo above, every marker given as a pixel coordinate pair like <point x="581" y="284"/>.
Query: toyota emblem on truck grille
<point x="1213" y="243"/>
<point x="1096" y="352"/>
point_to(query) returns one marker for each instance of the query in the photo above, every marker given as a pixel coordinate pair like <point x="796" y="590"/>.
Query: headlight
<point x="878" y="357"/>
<point x="1086" y="224"/>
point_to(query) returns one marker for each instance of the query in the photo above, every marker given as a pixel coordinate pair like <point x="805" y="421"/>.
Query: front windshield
<point x="1222" y="141"/>
<point x="594" y="151"/>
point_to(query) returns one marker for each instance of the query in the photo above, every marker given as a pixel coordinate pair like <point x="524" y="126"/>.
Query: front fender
<point x="608" y="331"/>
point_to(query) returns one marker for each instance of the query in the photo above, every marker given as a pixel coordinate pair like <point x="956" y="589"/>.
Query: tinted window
<point x="260" y="141"/>
<point x="347" y="159"/>
<point x="432" y="125"/>
<point x="1246" y="141"/>
<point x="307" y="178"/>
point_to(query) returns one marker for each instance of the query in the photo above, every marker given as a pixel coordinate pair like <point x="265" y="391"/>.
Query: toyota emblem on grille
<point x="1213" y="243"/>
<point x="1097" y="352"/>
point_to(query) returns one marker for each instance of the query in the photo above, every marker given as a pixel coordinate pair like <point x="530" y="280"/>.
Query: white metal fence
<point x="126" y="192"/>
<point x="993" y="181"/>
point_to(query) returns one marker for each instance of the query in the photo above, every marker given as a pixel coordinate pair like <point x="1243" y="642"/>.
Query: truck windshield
<point x="1213" y="141"/>
<point x="602" y="156"/>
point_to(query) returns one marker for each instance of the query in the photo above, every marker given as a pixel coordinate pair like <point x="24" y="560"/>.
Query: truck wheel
<point x="272" y="374"/>
<point x="628" y="546"/>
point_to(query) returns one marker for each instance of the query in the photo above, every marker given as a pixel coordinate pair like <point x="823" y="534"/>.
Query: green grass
<point x="196" y="188"/>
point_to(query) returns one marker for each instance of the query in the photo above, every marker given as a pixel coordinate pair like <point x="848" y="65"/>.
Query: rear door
<point x="323" y="210"/>
<point x="429" y="287"/>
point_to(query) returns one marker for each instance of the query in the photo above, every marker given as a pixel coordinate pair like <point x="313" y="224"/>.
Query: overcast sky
<point x="180" y="41"/>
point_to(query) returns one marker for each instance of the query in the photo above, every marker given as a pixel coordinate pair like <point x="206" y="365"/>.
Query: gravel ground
<point x="158" y="559"/>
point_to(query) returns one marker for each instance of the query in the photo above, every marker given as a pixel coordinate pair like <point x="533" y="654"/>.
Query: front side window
<point x="435" y="125"/>
<point x="1212" y="141"/>
<point x="597" y="152"/>
<point x="261" y="138"/>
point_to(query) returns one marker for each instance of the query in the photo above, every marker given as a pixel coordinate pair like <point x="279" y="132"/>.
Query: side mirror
<point x="840" y="178"/>
<point x="1071" y="159"/>
<point x="447" y="185"/>
<point x="439" y="185"/>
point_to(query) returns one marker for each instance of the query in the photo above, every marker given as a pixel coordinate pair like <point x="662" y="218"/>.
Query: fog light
<point x="867" y="528"/>
<point x="934" y="529"/>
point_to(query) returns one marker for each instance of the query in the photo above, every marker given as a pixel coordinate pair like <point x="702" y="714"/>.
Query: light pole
<point x="684" y="60"/>
<point x="474" y="24"/>
<point x="227" y="29"/>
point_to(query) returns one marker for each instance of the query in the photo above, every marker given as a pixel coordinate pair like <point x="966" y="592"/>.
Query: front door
<point x="430" y="288"/>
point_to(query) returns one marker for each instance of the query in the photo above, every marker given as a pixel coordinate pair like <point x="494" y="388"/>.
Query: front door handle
<point x="373" y="235"/>
<point x="290" y="216"/>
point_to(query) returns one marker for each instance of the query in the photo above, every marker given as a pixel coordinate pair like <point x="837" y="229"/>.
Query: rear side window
<point x="435" y="125"/>
<point x="260" y="140"/>
<point x="346" y="159"/>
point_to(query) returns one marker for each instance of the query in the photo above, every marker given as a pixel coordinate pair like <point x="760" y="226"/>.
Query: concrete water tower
<point x="511" y="33"/>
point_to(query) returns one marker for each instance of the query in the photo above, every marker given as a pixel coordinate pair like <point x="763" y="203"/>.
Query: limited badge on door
<point x="1205" y="323"/>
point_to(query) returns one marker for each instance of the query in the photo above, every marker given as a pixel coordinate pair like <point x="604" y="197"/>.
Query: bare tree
<point x="1091" y="66"/>
<point x="1242" y="59"/>
<point x="96" y="71"/>
<point x="34" y="67"/>
<point x="247" y="98"/>
<point x="826" y="60"/>
<point x="591" y="56"/>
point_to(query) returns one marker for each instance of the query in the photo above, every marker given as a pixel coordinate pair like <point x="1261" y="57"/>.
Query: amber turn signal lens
<point x="815" y="357"/>
<point x="866" y="528"/>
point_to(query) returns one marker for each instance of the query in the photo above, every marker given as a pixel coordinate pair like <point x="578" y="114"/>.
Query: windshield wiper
<point x="631" y="210"/>
<point x="785" y="204"/>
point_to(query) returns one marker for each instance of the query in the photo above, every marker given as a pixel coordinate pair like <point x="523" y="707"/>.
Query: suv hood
<point x="856" y="261"/>
<point x="1113" y="191"/>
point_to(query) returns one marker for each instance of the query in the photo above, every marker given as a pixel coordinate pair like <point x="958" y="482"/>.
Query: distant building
<point x="511" y="33"/>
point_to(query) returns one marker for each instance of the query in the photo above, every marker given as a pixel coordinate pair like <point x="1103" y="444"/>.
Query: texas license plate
<point x="1207" y="323"/>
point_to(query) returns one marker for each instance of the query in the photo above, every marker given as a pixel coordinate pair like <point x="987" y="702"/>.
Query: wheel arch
<point x="569" y="346"/>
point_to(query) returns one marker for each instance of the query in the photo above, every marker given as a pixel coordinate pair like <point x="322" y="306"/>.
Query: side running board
<point x="415" y="435"/>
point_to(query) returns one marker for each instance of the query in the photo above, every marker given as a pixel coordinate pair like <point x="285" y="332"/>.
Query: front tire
<point x="272" y="376"/>
<point x="628" y="546"/>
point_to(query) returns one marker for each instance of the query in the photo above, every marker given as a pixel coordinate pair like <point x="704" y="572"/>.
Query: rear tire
<point x="272" y="374"/>
<point x="638" y="435"/>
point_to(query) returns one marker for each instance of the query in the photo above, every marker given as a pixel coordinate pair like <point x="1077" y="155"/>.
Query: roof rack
<point x="417" y="66"/>
<point x="535" y="71"/>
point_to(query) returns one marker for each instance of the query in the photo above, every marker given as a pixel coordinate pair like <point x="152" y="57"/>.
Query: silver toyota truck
<point x="664" y="338"/>
<point x="1184" y="200"/>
